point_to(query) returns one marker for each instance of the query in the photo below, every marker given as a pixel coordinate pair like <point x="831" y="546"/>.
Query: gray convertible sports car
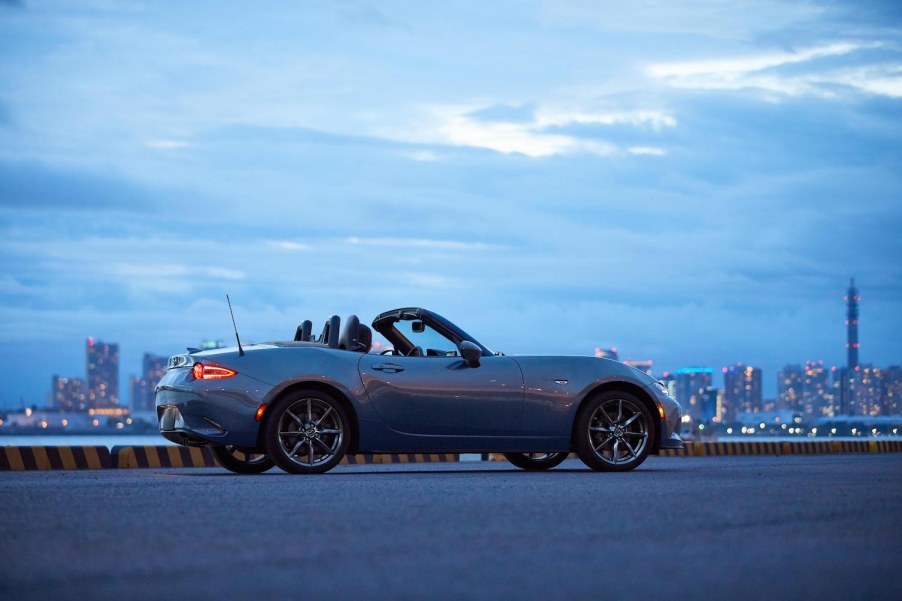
<point x="304" y="404"/>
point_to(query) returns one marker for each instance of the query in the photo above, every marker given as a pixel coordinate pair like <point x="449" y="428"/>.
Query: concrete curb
<point x="18" y="458"/>
<point x="54" y="458"/>
<point x="808" y="447"/>
<point x="161" y="456"/>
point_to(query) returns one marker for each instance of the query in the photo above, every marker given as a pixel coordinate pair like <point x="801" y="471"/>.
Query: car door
<point x="443" y="396"/>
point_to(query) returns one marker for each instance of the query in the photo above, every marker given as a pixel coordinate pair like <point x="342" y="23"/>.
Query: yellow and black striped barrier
<point x="54" y="458"/>
<point x="807" y="447"/>
<point x="73" y="458"/>
<point x="389" y="458"/>
<point x="162" y="456"/>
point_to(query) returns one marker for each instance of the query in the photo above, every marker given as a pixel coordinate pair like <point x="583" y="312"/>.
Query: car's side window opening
<point x="432" y="343"/>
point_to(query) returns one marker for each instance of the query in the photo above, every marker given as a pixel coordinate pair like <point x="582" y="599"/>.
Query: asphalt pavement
<point x="790" y="527"/>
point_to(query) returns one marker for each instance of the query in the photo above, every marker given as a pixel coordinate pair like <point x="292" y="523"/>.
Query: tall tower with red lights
<point x="849" y="374"/>
<point x="852" y="344"/>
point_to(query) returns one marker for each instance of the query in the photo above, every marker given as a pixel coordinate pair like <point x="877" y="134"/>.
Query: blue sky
<point x="690" y="182"/>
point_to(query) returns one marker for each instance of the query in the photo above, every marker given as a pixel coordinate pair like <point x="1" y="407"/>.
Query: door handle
<point x="391" y="368"/>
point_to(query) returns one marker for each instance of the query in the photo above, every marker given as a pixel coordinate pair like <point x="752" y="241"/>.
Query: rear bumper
<point x="199" y="413"/>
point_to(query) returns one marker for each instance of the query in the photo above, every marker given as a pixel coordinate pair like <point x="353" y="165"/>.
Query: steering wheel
<point x="416" y="351"/>
<point x="390" y="351"/>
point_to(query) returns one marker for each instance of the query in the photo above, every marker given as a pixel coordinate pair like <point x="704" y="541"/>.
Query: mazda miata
<point x="305" y="403"/>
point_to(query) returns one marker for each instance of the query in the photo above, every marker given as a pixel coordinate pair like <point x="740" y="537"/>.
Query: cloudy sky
<point x="691" y="182"/>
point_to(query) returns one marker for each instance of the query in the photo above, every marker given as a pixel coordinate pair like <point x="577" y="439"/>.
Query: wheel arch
<point x="633" y="389"/>
<point x="339" y="396"/>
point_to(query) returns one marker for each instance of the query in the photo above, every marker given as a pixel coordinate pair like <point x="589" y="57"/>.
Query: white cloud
<point x="656" y="120"/>
<point x="744" y="64"/>
<point x="168" y="144"/>
<point x="646" y="150"/>
<point x="423" y="156"/>
<point x="288" y="245"/>
<point x="420" y="243"/>
<point x="455" y="125"/>
<point x="762" y="72"/>
<point x="883" y="80"/>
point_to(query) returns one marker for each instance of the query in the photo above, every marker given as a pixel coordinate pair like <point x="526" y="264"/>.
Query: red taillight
<point x="211" y="372"/>
<point x="260" y="411"/>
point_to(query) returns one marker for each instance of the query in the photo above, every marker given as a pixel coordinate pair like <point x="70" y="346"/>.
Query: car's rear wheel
<point x="241" y="460"/>
<point x="534" y="462"/>
<point x="307" y="432"/>
<point x="613" y="432"/>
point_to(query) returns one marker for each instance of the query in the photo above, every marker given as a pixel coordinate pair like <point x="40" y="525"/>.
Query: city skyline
<point x="813" y="390"/>
<point x="693" y="183"/>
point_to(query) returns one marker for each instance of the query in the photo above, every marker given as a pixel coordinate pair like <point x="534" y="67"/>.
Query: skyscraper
<point x="67" y="394"/>
<point x="869" y="391"/>
<point x="852" y="344"/>
<point x="816" y="392"/>
<point x="742" y="389"/>
<point x="103" y="375"/>
<point x="892" y="390"/>
<point x="691" y="383"/>
<point x="789" y="387"/>
<point x="154" y="366"/>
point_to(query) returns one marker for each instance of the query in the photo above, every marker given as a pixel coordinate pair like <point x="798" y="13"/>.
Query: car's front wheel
<point x="307" y="432"/>
<point x="613" y="432"/>
<point x="534" y="462"/>
<point x="241" y="460"/>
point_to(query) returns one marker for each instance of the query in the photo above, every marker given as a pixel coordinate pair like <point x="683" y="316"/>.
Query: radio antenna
<point x="232" y="313"/>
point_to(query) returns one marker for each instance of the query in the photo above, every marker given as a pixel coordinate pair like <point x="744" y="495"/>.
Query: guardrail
<point x="16" y="458"/>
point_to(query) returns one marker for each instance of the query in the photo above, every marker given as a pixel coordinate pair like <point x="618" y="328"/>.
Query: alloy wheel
<point x="618" y="431"/>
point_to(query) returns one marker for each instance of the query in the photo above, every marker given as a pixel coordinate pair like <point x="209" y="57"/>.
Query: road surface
<point x="790" y="527"/>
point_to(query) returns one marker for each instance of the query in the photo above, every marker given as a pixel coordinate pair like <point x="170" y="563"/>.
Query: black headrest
<point x="351" y="338"/>
<point x="303" y="331"/>
<point x="365" y="338"/>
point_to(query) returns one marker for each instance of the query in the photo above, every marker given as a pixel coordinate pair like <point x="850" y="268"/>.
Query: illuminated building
<point x="790" y="380"/>
<point x="816" y="393"/>
<point x="892" y="390"/>
<point x="741" y="390"/>
<point x="869" y="391"/>
<point x="154" y="366"/>
<point x="643" y="366"/>
<point x="691" y="383"/>
<point x="710" y="405"/>
<point x="67" y="394"/>
<point x="103" y="375"/>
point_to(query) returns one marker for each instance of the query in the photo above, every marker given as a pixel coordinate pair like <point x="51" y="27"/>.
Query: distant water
<point x="86" y="440"/>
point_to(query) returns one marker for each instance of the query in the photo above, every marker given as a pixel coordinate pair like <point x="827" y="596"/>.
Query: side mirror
<point x="471" y="353"/>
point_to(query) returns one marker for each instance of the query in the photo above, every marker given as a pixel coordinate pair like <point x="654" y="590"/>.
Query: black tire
<point x="614" y="432"/>
<point x="241" y="460"/>
<point x="531" y="463"/>
<point x="306" y="432"/>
